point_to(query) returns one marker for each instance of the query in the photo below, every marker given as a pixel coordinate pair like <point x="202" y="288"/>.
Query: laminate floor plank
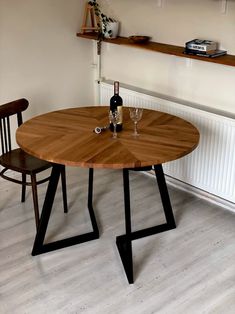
<point x="186" y="270"/>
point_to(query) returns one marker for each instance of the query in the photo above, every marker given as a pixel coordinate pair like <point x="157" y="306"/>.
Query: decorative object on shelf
<point x="209" y="54"/>
<point x="202" y="45"/>
<point x="203" y="48"/>
<point x="139" y="39"/>
<point x="112" y="29"/>
<point x="94" y="20"/>
<point x="107" y="26"/>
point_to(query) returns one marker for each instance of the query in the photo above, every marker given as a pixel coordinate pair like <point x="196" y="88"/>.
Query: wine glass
<point x="114" y="118"/>
<point x="136" y="115"/>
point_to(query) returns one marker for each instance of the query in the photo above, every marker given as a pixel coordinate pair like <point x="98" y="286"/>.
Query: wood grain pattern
<point x="163" y="48"/>
<point x="67" y="137"/>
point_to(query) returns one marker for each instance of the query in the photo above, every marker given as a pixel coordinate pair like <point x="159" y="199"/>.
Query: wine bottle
<point x="116" y="104"/>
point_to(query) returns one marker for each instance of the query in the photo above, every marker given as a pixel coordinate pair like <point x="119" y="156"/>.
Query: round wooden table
<point x="66" y="137"/>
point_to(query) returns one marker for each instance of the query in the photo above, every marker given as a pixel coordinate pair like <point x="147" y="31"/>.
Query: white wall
<point x="41" y="58"/>
<point x="175" y="22"/>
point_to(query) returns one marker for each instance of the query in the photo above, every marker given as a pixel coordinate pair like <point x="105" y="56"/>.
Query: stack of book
<point x="205" y="48"/>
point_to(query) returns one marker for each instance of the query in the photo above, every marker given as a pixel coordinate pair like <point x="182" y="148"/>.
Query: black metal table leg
<point x="39" y="246"/>
<point x="124" y="241"/>
<point x="90" y="202"/>
<point x="164" y="196"/>
<point x="64" y="189"/>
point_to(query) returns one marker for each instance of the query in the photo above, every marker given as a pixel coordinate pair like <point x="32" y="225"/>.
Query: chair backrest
<point x="9" y="109"/>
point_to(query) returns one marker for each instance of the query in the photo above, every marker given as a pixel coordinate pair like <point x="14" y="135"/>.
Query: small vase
<point x="114" y="28"/>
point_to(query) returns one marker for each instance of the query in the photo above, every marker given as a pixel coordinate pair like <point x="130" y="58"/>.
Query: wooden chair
<point x="19" y="161"/>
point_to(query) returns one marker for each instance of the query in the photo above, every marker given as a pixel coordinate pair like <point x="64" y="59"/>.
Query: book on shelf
<point x="201" y="45"/>
<point x="208" y="54"/>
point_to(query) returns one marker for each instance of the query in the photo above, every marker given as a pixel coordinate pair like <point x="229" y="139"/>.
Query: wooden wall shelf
<point x="163" y="48"/>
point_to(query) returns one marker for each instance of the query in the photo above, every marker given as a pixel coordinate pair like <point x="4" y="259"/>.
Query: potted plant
<point x="108" y="27"/>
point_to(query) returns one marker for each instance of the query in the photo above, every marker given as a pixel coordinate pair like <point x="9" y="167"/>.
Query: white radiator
<point x="211" y="166"/>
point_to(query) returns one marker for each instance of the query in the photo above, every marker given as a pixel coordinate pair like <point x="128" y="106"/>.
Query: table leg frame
<point x="124" y="242"/>
<point x="39" y="246"/>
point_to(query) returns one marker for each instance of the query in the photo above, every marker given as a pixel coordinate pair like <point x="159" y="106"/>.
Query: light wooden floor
<point x="190" y="269"/>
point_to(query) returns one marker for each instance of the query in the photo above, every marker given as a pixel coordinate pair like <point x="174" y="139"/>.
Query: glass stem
<point x="114" y="130"/>
<point x="135" y="130"/>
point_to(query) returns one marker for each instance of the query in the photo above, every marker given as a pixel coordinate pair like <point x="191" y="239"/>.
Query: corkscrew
<point x="99" y="129"/>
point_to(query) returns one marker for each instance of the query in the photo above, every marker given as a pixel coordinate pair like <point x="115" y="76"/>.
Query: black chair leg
<point x="23" y="190"/>
<point x="35" y="199"/>
<point x="64" y="190"/>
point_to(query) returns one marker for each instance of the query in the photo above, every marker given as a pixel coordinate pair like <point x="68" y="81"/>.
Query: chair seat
<point x="22" y="162"/>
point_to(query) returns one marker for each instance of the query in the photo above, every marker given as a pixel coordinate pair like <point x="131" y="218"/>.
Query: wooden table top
<point x="67" y="137"/>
